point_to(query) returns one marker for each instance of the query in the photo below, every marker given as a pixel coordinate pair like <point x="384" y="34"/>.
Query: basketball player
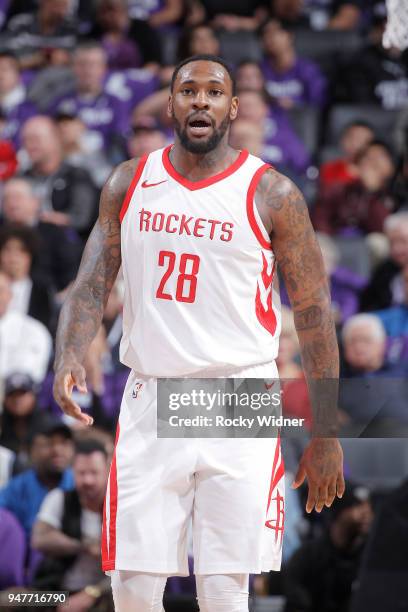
<point x="198" y="228"/>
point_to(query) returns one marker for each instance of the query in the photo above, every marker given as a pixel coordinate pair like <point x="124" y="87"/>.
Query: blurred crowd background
<point x="84" y="86"/>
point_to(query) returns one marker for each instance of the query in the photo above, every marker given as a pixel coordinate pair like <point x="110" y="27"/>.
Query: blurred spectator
<point x="395" y="318"/>
<point x="364" y="345"/>
<point x="20" y="418"/>
<point x="8" y="160"/>
<point x="382" y="581"/>
<point x="32" y="36"/>
<point x="31" y="296"/>
<point x="318" y="14"/>
<point x="131" y="87"/>
<point x="146" y="137"/>
<point x="197" y="40"/>
<point x="25" y="344"/>
<point x="158" y="13"/>
<point x="345" y="285"/>
<point x="128" y="43"/>
<point x="353" y="140"/>
<point x="102" y="113"/>
<point x="375" y="75"/>
<point x="68" y="530"/>
<point x="295" y="398"/>
<point x="13" y="551"/>
<point x="249" y="75"/>
<point x="14" y="105"/>
<point x="51" y="452"/>
<point x="366" y="398"/>
<point x="281" y="146"/>
<point x="230" y="15"/>
<point x="67" y="193"/>
<point x="320" y="575"/>
<point x="386" y="286"/>
<point x="73" y="134"/>
<point x="290" y="80"/>
<point x="7" y="463"/>
<point x="51" y="82"/>
<point x="363" y="205"/>
<point x="245" y="134"/>
<point x="59" y="247"/>
<point x="112" y="30"/>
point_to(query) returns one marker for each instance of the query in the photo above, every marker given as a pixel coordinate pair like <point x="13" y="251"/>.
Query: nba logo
<point x="137" y="388"/>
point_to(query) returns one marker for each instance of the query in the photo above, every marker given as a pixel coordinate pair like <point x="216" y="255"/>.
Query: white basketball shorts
<point x="231" y="488"/>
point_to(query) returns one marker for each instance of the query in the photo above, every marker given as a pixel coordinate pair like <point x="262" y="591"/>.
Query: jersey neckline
<point x="193" y="185"/>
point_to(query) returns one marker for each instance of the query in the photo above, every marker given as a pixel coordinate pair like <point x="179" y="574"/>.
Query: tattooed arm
<point x="284" y="213"/>
<point x="82" y="312"/>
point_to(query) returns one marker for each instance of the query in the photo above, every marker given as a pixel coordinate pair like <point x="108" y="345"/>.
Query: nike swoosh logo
<point x="146" y="184"/>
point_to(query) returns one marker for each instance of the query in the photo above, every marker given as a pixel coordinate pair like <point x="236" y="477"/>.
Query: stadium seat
<point x="325" y="46"/>
<point x="382" y="120"/>
<point x="378" y="463"/>
<point x="305" y="121"/>
<point x="354" y="254"/>
<point x="269" y="604"/>
<point x="239" y="46"/>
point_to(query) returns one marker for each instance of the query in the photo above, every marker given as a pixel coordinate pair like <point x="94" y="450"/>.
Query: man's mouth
<point x="199" y="127"/>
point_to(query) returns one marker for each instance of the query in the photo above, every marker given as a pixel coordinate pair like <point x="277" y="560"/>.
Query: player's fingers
<point x="78" y="376"/>
<point x="299" y="478"/>
<point x="72" y="409"/>
<point x="331" y="493"/>
<point x="312" y="497"/>
<point x="341" y="485"/>
<point x="321" y="498"/>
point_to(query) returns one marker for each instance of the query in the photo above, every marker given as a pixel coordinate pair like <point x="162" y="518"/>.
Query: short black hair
<point x="26" y="235"/>
<point x="358" y="123"/>
<point x="204" y="57"/>
<point x="10" y="56"/>
<point x="89" y="446"/>
<point x="377" y="142"/>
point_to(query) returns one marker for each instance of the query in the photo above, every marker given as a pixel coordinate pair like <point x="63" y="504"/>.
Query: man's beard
<point x="201" y="146"/>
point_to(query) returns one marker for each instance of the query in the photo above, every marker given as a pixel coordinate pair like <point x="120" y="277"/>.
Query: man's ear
<point x="234" y="108"/>
<point x="170" y="106"/>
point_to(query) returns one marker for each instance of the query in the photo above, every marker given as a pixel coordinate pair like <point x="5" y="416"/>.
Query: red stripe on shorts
<point x="109" y="564"/>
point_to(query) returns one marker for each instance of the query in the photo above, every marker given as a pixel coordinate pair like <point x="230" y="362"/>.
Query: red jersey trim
<point x="109" y="556"/>
<point x="193" y="185"/>
<point x="132" y="186"/>
<point x="250" y="207"/>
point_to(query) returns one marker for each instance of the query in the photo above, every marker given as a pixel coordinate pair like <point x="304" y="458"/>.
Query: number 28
<point x="183" y="276"/>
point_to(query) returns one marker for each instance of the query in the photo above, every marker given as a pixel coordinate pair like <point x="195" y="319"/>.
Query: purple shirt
<point x="103" y="115"/>
<point x="345" y="289"/>
<point x="304" y="83"/>
<point x="282" y="146"/>
<point x="123" y="54"/>
<point x="13" y="550"/>
<point x="16" y="115"/>
<point x="131" y="87"/>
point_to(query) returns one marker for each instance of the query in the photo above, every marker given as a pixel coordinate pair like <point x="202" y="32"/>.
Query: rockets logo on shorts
<point x="137" y="388"/>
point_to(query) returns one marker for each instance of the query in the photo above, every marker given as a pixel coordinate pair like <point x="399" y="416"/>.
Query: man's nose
<point x="200" y="100"/>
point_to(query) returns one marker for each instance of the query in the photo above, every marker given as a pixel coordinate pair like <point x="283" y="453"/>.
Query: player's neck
<point x="196" y="167"/>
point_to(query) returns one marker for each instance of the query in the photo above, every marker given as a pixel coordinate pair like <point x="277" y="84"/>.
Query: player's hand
<point x="66" y="377"/>
<point x="322" y="465"/>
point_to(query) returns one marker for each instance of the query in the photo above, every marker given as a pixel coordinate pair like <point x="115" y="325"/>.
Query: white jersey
<point x="198" y="269"/>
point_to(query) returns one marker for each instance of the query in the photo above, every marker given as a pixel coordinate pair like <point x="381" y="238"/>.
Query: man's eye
<point x="216" y="92"/>
<point x="186" y="91"/>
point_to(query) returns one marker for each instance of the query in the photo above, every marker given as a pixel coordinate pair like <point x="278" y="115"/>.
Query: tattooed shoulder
<point x="115" y="188"/>
<point x="277" y="191"/>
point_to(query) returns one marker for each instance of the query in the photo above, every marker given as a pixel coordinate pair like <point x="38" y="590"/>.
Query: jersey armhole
<point x="132" y="187"/>
<point x="253" y="215"/>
